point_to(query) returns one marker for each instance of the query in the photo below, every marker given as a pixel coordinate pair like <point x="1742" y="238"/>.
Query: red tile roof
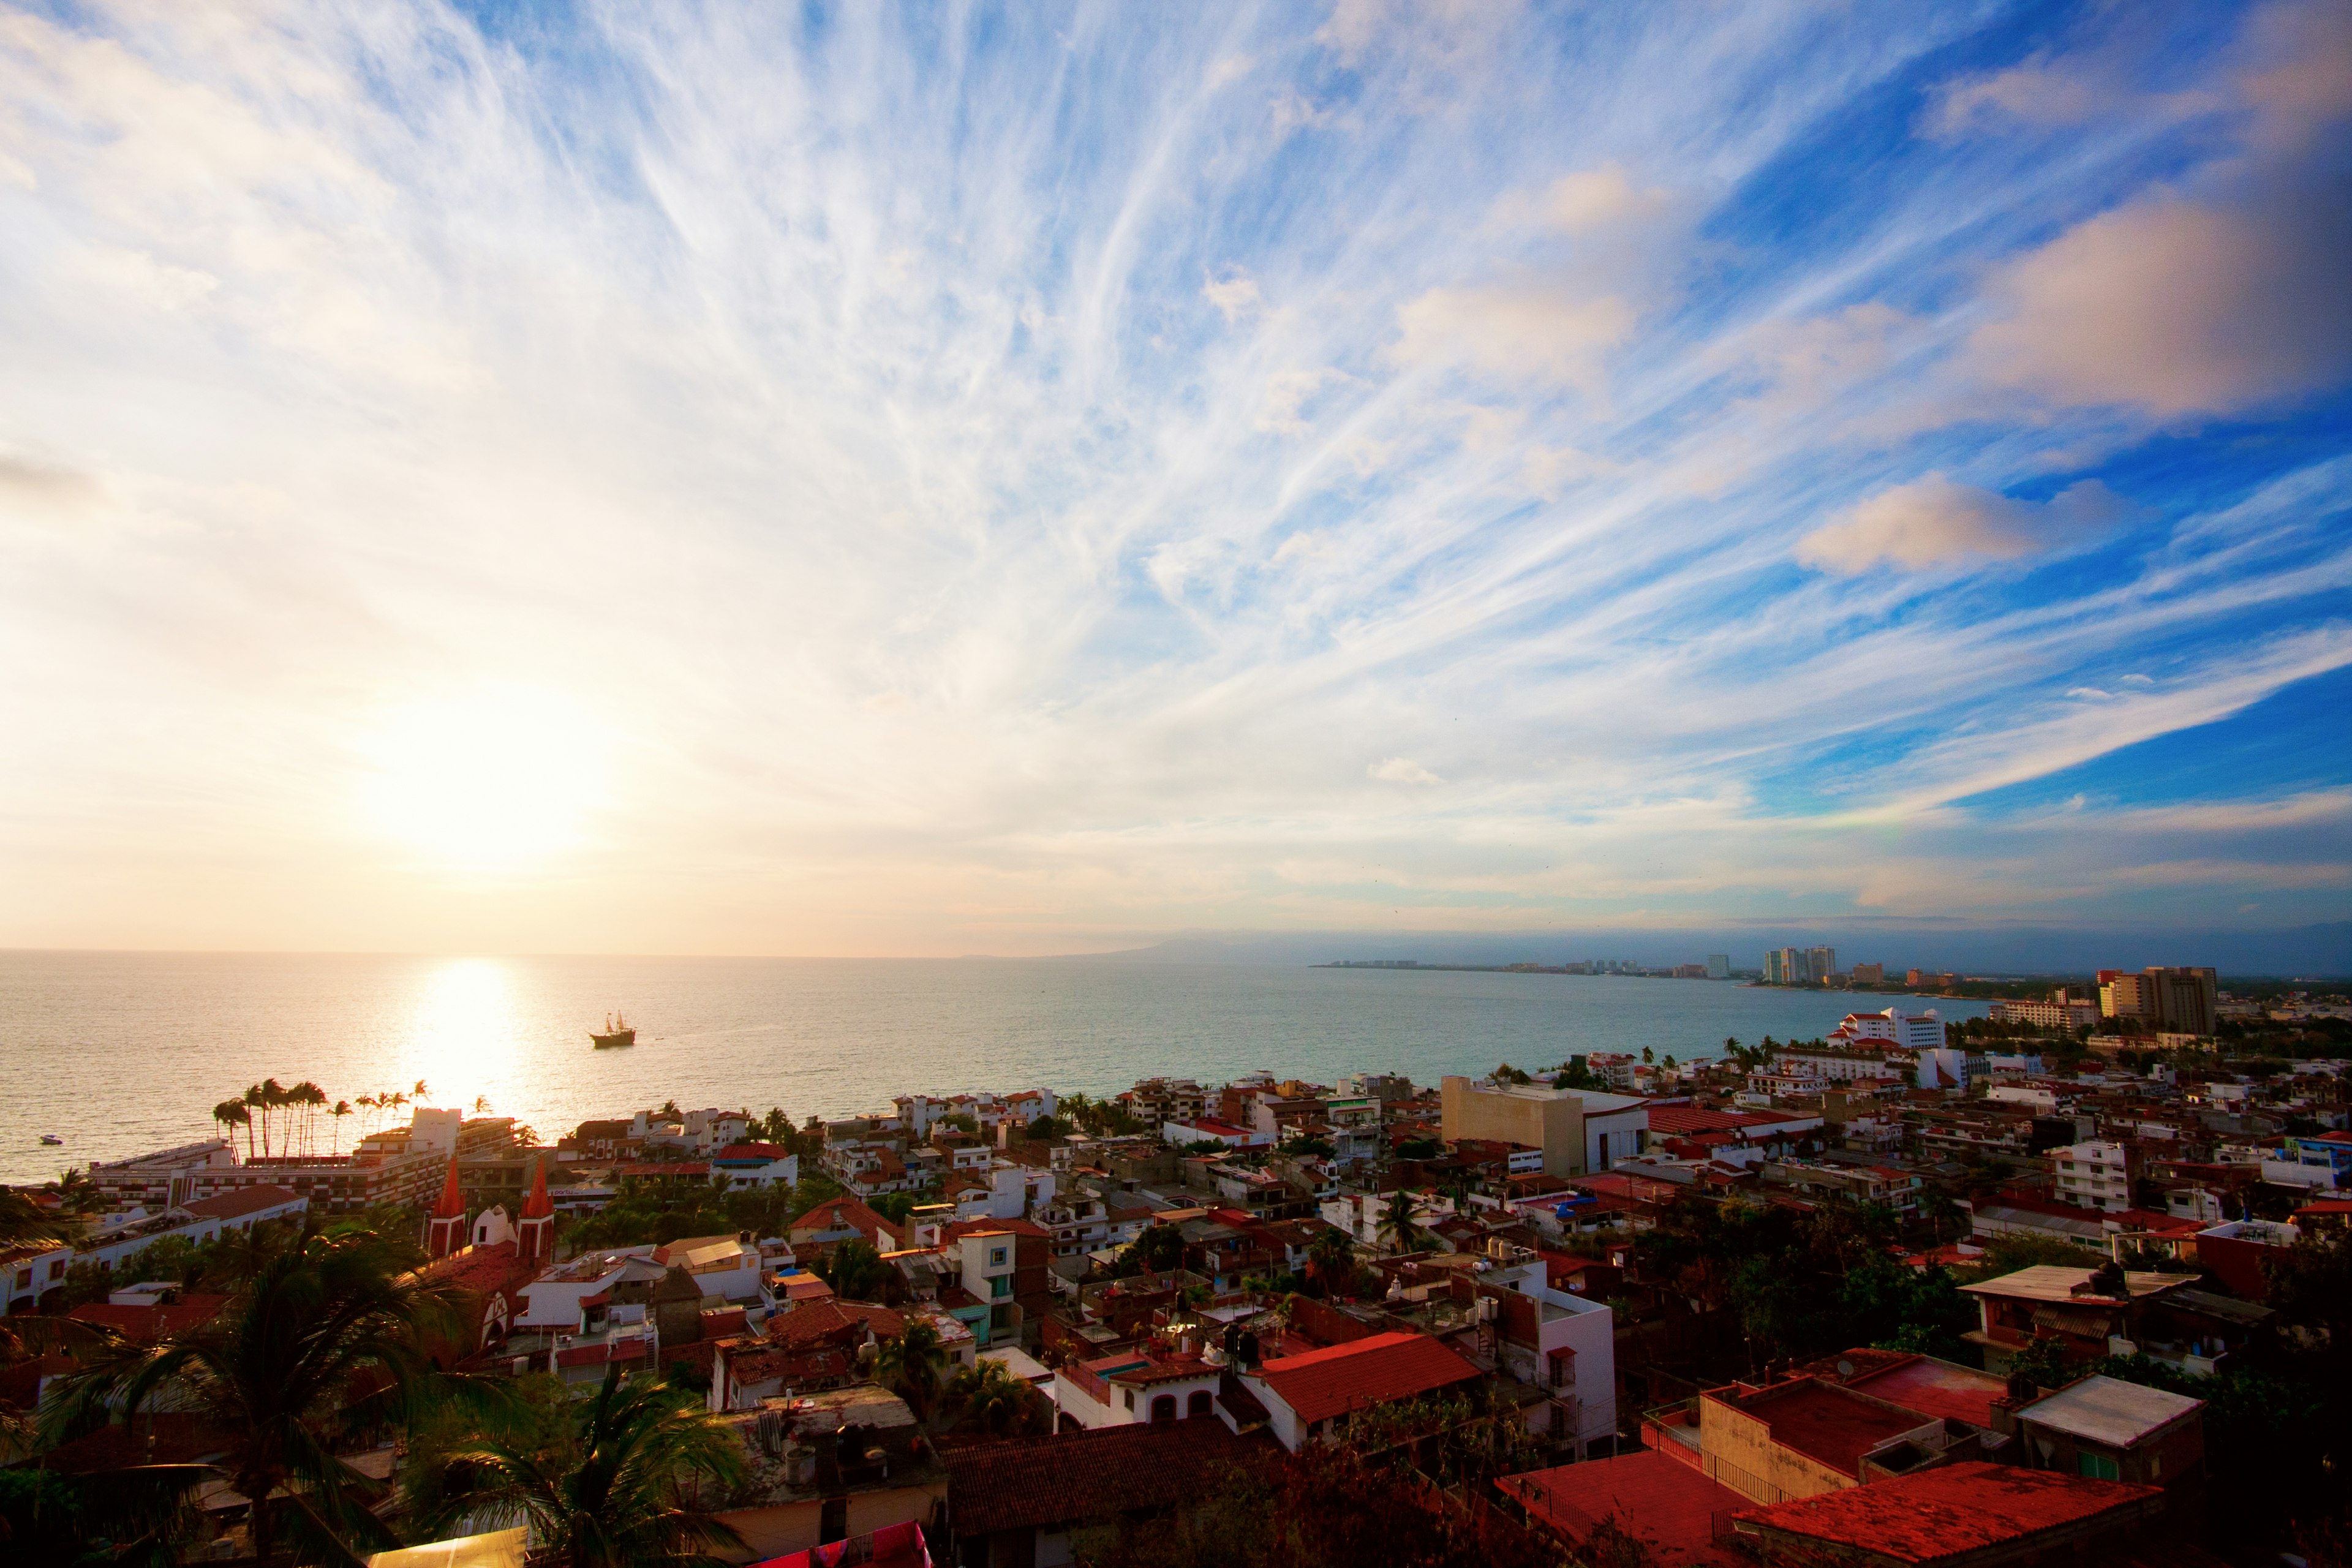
<point x="747" y="1365"/>
<point x="1665" y="1502"/>
<point x="481" y="1269"/>
<point x="820" y="1322"/>
<point x="143" y="1325"/>
<point x="1330" y="1382"/>
<point x="1950" y="1510"/>
<point x="751" y="1151"/>
<point x="1082" y="1476"/>
<point x="152" y="1438"/>
<point x="846" y="1213"/>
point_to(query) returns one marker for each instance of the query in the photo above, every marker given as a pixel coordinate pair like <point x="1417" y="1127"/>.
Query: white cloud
<point x="1281" y="412"/>
<point x="1599" y="198"/>
<point x="1528" y="332"/>
<point x="1235" y="295"/>
<point x="844" y="434"/>
<point x="1935" y="522"/>
<point x="2175" y="307"/>
<point x="1403" y="771"/>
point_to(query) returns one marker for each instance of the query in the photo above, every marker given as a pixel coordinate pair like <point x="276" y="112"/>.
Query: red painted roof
<point x="1950" y="1510"/>
<point x="1821" y="1421"/>
<point x="143" y="1324"/>
<point x="452" y="1199"/>
<point x="751" y="1151"/>
<point x="1934" y="1388"/>
<point x="1330" y="1382"/>
<point x="1668" y="1504"/>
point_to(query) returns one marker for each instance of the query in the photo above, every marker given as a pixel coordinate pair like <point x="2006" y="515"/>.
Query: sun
<point x="488" y="778"/>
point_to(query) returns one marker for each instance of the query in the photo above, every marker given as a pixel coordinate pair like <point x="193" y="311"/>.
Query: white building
<point x="1128" y="1390"/>
<point x="29" y="1272"/>
<point x="2093" y="1176"/>
<point x="1202" y="1130"/>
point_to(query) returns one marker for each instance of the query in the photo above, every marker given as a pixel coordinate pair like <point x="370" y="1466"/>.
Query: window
<point x="996" y="1256"/>
<point x="1163" y="1408"/>
<point x="1199" y="1404"/>
<point x="2098" y="1467"/>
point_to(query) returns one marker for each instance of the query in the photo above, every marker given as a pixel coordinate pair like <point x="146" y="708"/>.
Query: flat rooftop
<point x="1830" y="1424"/>
<point x="1950" y="1510"/>
<point x="2109" y="1410"/>
<point x="2055" y="1283"/>
<point x="1936" y="1388"/>
<point x="1674" y="1508"/>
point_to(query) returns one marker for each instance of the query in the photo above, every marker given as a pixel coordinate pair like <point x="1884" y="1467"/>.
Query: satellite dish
<point x="1845" y="1369"/>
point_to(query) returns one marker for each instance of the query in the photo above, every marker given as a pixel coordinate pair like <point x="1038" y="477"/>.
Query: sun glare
<point x="462" y="1036"/>
<point x="487" y="779"/>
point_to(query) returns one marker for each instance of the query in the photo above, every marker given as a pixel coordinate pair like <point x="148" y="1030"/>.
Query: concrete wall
<point x="1548" y="1120"/>
<point x="1737" y="1450"/>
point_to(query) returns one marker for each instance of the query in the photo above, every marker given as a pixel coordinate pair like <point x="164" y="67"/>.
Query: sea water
<point x="118" y="1054"/>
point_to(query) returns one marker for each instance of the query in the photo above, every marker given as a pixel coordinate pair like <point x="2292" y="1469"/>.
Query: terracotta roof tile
<point x="1077" y="1477"/>
<point x="1330" y="1382"/>
<point x="820" y="1322"/>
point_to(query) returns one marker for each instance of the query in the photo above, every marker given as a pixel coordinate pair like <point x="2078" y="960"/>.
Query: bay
<point x="122" y="1053"/>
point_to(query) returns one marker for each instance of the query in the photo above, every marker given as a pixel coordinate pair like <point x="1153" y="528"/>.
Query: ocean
<point x="122" y="1053"/>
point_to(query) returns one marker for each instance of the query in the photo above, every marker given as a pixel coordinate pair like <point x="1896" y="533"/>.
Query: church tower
<point x="535" y="1235"/>
<point x="447" y="1233"/>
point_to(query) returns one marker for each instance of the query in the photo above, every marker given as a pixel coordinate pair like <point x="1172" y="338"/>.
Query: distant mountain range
<point x="2311" y="950"/>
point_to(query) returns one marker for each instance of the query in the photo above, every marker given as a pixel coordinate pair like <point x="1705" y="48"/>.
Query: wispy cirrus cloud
<point x="980" y="485"/>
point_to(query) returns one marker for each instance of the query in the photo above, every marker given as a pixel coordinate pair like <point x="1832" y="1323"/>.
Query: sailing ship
<point x="618" y="1031"/>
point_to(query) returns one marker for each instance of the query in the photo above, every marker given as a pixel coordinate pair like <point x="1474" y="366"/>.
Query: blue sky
<point x="1020" y="478"/>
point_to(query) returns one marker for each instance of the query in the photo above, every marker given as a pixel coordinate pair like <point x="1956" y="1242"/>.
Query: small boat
<point x="618" y="1031"/>
<point x="51" y="1139"/>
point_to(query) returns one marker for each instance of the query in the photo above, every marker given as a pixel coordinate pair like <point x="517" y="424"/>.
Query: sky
<point x="1021" y="479"/>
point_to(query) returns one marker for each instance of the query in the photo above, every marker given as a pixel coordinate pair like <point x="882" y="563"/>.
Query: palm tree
<point x="611" y="1498"/>
<point x="283" y="1371"/>
<point x="340" y="1110"/>
<point x="23" y="1221"/>
<point x="915" y="1364"/>
<point x="991" y="1397"/>
<point x="312" y="1097"/>
<point x="1331" y="1259"/>
<point x="1397" y="1222"/>
<point x="256" y="1100"/>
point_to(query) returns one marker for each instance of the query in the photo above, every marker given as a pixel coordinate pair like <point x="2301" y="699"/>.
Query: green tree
<point x="856" y="1272"/>
<point x="1397" y="1224"/>
<point x="914" y="1364"/>
<point x="1159" y="1248"/>
<point x="608" y="1493"/>
<point x="989" y="1397"/>
<point x="1331" y="1261"/>
<point x="325" y="1344"/>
